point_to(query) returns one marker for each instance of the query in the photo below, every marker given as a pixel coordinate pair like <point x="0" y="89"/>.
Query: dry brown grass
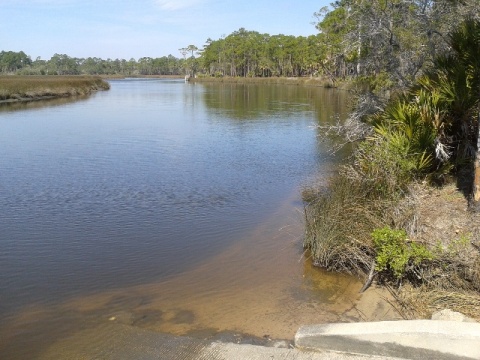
<point x="20" y="88"/>
<point x="452" y="280"/>
<point x="422" y="302"/>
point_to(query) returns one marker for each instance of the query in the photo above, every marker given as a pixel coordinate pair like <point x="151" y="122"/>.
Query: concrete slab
<point x="412" y="339"/>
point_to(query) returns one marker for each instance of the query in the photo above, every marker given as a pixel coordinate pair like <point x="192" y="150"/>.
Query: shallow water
<point x="163" y="205"/>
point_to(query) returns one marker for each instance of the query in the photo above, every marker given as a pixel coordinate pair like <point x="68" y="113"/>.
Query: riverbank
<point x="298" y="81"/>
<point x="120" y="77"/>
<point x="31" y="88"/>
<point x="446" y="225"/>
<point x="436" y="217"/>
<point x="416" y="238"/>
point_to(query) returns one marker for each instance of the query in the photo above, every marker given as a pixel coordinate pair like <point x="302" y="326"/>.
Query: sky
<point x="128" y="29"/>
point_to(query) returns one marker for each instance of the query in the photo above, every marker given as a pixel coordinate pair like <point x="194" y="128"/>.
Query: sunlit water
<point x="163" y="205"/>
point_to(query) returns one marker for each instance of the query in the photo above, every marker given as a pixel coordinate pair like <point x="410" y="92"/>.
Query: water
<point x="173" y="192"/>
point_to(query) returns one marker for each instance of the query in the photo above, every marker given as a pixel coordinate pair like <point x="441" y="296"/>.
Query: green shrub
<point x="395" y="253"/>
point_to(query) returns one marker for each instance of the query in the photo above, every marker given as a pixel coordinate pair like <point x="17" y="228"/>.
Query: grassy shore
<point x="303" y="81"/>
<point x="28" y="88"/>
<point x="117" y="77"/>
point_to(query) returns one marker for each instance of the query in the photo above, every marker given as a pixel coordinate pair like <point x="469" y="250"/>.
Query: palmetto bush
<point x="434" y="126"/>
<point x="454" y="82"/>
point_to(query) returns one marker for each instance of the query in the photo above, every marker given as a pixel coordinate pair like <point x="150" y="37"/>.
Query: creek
<point x="165" y="205"/>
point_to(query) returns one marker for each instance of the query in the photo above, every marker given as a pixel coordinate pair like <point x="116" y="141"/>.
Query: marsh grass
<point x="423" y="301"/>
<point x="339" y="221"/>
<point x="24" y="88"/>
<point x="367" y="193"/>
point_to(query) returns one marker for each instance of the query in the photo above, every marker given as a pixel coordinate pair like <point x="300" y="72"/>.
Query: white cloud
<point x="173" y="5"/>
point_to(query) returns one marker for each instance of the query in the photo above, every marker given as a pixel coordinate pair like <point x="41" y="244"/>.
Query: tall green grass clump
<point x="364" y="195"/>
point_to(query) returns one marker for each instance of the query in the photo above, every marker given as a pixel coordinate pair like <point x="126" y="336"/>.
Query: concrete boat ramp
<point x="414" y="339"/>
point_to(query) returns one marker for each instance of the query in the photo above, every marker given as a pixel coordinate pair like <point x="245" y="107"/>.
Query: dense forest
<point x="393" y="40"/>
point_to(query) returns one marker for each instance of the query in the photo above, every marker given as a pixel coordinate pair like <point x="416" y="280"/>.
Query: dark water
<point x="145" y="181"/>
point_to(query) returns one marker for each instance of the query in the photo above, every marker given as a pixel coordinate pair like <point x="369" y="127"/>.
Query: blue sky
<point x="136" y="28"/>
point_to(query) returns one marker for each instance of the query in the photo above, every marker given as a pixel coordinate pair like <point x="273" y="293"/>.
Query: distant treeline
<point x="387" y="43"/>
<point x="242" y="53"/>
<point x="60" y="64"/>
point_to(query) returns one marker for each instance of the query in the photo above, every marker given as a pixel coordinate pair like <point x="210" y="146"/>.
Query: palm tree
<point x="465" y="42"/>
<point x="453" y="88"/>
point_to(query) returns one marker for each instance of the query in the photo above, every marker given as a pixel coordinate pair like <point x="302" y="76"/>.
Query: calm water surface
<point x="175" y="193"/>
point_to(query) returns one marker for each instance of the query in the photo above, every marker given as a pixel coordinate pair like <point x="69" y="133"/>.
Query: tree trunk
<point x="476" y="179"/>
